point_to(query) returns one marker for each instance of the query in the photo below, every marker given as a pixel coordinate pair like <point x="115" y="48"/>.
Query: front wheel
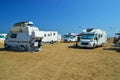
<point x="6" y="46"/>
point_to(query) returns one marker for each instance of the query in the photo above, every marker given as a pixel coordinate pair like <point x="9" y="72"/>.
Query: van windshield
<point x="87" y="36"/>
<point x="67" y="36"/>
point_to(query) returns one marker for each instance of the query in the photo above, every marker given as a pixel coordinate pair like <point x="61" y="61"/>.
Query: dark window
<point x="13" y="35"/>
<point x="1" y="36"/>
<point x="44" y="35"/>
<point x="53" y="33"/>
<point x="99" y="35"/>
<point x="48" y="34"/>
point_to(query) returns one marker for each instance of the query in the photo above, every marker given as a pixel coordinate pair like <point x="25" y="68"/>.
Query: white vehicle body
<point x="116" y="40"/>
<point x="92" y="38"/>
<point x="50" y="36"/>
<point x="70" y="37"/>
<point x="2" y="36"/>
<point x="21" y="34"/>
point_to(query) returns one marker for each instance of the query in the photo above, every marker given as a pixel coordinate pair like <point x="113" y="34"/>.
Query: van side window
<point x="73" y="36"/>
<point x="44" y="35"/>
<point x="48" y="34"/>
<point x="54" y="34"/>
<point x="13" y="35"/>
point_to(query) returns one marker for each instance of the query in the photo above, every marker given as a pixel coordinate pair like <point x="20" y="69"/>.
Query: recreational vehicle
<point x="93" y="38"/>
<point x="21" y="34"/>
<point x="50" y="36"/>
<point x="2" y="36"/>
<point x="117" y="40"/>
<point x="70" y="37"/>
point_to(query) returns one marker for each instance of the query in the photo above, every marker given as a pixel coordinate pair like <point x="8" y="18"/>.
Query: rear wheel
<point x="52" y="42"/>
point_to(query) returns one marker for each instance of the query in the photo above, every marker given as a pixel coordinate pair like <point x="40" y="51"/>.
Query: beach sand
<point x="61" y="61"/>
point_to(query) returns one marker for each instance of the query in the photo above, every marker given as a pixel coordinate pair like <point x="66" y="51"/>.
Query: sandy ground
<point x="61" y="61"/>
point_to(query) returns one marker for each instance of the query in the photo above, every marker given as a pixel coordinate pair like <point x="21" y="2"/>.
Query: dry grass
<point x="60" y="61"/>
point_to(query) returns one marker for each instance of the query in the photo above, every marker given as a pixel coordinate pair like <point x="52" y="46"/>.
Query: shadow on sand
<point x="74" y="47"/>
<point x="11" y="50"/>
<point x="78" y="47"/>
<point x="117" y="49"/>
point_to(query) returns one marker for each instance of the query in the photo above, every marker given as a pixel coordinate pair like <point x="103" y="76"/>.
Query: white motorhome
<point x="2" y="36"/>
<point x="21" y="34"/>
<point x="93" y="38"/>
<point x="50" y="36"/>
<point x="70" y="37"/>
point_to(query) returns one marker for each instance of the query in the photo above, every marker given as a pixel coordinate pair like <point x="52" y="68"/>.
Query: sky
<point x="64" y="16"/>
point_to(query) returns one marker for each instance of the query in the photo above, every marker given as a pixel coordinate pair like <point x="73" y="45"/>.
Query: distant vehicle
<point x="117" y="40"/>
<point x="50" y="36"/>
<point x="21" y="34"/>
<point x="70" y="37"/>
<point x="92" y="38"/>
<point x="2" y="36"/>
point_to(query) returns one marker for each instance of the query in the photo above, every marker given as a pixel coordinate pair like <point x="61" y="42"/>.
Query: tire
<point x="24" y="48"/>
<point x="6" y="46"/>
<point x="52" y="42"/>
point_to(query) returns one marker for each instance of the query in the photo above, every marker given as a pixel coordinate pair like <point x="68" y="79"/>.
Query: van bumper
<point x="86" y="44"/>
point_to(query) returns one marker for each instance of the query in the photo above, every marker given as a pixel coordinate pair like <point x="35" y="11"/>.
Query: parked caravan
<point x="50" y="36"/>
<point x="70" y="37"/>
<point x="21" y="35"/>
<point x="2" y="36"/>
<point x="93" y="38"/>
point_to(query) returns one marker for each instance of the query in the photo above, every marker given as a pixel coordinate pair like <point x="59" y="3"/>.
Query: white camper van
<point x="93" y="38"/>
<point x="21" y="34"/>
<point x="70" y="37"/>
